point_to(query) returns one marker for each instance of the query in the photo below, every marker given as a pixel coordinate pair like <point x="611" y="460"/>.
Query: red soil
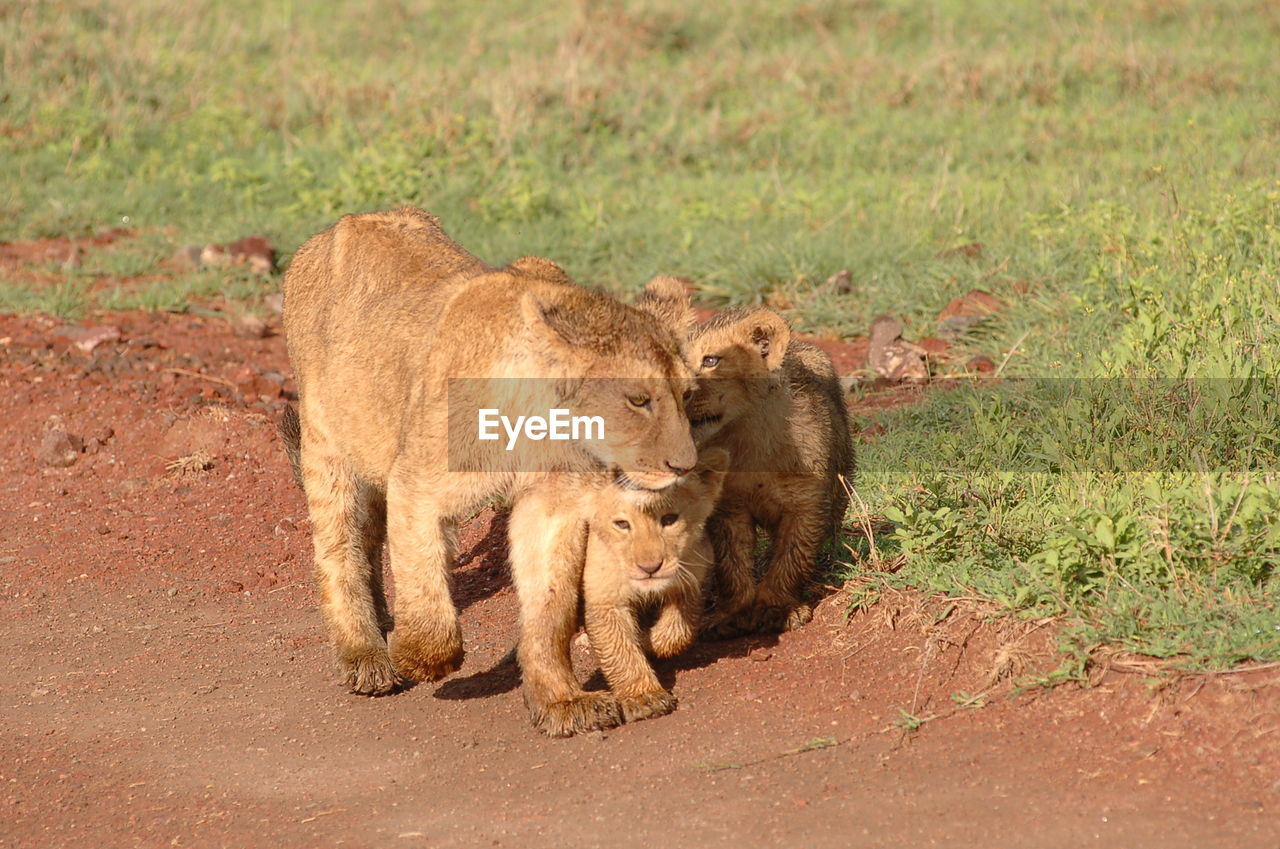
<point x="167" y="680"/>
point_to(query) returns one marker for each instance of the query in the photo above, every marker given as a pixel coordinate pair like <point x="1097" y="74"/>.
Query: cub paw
<point x="669" y="639"/>
<point x="647" y="705"/>
<point x="420" y="656"/>
<point x="775" y="619"/>
<point x="369" y="673"/>
<point x="595" y="711"/>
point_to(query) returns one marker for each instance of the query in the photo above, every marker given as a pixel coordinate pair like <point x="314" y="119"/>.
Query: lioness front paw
<point x="369" y="673"/>
<point x="422" y="656"/>
<point x="594" y="711"/>
<point x="647" y="705"/>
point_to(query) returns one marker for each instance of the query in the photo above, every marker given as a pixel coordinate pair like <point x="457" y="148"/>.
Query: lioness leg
<point x="547" y="552"/>
<point x="734" y="537"/>
<point x="615" y="639"/>
<point x="427" y="641"/>
<point x="347" y="533"/>
<point x="779" y="602"/>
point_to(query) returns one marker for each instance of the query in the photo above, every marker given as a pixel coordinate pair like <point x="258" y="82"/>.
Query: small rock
<point x="891" y="356"/>
<point x="841" y="282"/>
<point x="932" y="345"/>
<point x="88" y="338"/>
<point x="231" y="587"/>
<point x="255" y="251"/>
<point x="171" y="592"/>
<point x="188" y="258"/>
<point x="968" y="310"/>
<point x="58" y="448"/>
<point x="249" y="327"/>
<point x="981" y="364"/>
<point x="973" y="250"/>
<point x="215" y="256"/>
<point x="275" y="302"/>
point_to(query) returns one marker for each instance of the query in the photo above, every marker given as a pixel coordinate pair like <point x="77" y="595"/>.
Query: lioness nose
<point x="679" y="470"/>
<point x="649" y="568"/>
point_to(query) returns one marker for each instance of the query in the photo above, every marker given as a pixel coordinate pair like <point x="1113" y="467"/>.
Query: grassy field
<point x="1117" y="163"/>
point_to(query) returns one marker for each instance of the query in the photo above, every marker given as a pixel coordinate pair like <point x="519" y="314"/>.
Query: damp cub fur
<point x="775" y="404"/>
<point x="646" y="562"/>
<point x="397" y="336"/>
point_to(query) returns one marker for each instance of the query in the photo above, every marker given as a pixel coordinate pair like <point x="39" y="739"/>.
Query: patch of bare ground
<point x="166" y="679"/>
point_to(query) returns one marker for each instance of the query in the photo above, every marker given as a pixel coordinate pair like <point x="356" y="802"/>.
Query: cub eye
<point x="638" y="401"/>
<point x="669" y="519"/>
<point x="622" y="524"/>
<point x="710" y="362"/>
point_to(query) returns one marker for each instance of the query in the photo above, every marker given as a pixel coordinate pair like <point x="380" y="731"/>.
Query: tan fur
<point x="647" y="554"/>
<point x="384" y="313"/>
<point x="775" y="404"/>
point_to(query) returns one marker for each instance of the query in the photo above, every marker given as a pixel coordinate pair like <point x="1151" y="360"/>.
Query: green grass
<point x="1115" y="161"/>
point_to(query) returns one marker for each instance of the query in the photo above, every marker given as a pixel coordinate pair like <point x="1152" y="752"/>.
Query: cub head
<point x="650" y="537"/>
<point x="622" y="369"/>
<point x="736" y="356"/>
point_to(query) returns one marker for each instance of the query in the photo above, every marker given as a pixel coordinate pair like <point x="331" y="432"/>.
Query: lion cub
<point x="647" y="558"/>
<point x="775" y="404"/>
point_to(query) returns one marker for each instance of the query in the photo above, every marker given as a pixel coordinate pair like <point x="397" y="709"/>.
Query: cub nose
<point x="649" y="568"/>
<point x="680" y="471"/>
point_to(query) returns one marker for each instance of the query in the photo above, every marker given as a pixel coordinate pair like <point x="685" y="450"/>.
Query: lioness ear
<point x="543" y="321"/>
<point x="543" y="269"/>
<point x="713" y="465"/>
<point x="768" y="333"/>
<point x="667" y="299"/>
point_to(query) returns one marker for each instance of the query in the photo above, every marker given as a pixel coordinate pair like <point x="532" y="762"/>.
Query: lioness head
<point x="623" y="364"/>
<point x="735" y="355"/>
<point x="650" y="536"/>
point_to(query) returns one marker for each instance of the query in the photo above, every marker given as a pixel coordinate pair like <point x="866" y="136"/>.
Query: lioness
<point x="647" y="553"/>
<point x="397" y="336"/>
<point x="776" y="404"/>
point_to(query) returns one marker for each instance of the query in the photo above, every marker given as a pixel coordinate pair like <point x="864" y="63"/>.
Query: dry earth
<point x="166" y="680"/>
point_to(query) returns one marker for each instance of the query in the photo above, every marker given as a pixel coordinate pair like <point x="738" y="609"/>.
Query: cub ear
<point x="713" y="465"/>
<point x="766" y="332"/>
<point x="667" y="299"/>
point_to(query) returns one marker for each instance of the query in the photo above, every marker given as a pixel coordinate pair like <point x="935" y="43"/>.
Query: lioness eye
<point x="710" y="362"/>
<point x="688" y="393"/>
<point x="622" y="524"/>
<point x="641" y="401"/>
<point x="669" y="519"/>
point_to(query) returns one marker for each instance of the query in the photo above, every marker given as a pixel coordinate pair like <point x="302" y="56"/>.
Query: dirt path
<point x="167" y="683"/>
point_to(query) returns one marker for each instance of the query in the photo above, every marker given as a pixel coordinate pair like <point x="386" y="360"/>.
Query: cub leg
<point x="347" y="532"/>
<point x="616" y="640"/>
<point x="677" y="623"/>
<point x="427" y="641"/>
<point x="547" y="549"/>
<point x="733" y="536"/>
<point x="779" y="601"/>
